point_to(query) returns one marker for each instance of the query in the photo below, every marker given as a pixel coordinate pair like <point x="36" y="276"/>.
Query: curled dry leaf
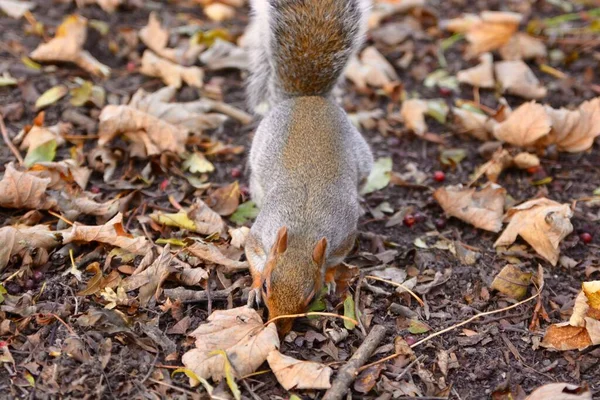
<point x="210" y="253"/>
<point x="472" y="123"/>
<point x="109" y="6"/>
<point x="40" y="135"/>
<point x="67" y="46"/>
<point x="156" y="134"/>
<point x="543" y="223"/>
<point x="386" y="8"/>
<point x="371" y="69"/>
<point x="501" y="160"/>
<point x="492" y="31"/>
<point x="482" y="209"/>
<point x="151" y="279"/>
<point x="241" y="333"/>
<point x="481" y="75"/>
<point x="239" y="236"/>
<point x="16" y="9"/>
<point x="512" y="282"/>
<point x="521" y="46"/>
<point x="200" y="218"/>
<point x="296" y="374"/>
<point x="517" y="78"/>
<point x="24" y="190"/>
<point x="412" y="114"/>
<point x="62" y="173"/>
<point x="575" y="131"/>
<point x="225" y="200"/>
<point x="223" y="54"/>
<point x="583" y="328"/>
<point x="526" y="160"/>
<point x="16" y="239"/>
<point x="112" y="233"/>
<point x="172" y="74"/>
<point x="219" y="12"/>
<point x="525" y="125"/>
<point x="561" y="391"/>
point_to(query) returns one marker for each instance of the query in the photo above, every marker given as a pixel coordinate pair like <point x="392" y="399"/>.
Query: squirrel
<point x="307" y="161"/>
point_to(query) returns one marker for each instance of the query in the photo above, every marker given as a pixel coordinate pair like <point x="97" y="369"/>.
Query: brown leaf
<point x="481" y="75"/>
<point x="62" y="173"/>
<point x="575" y="131"/>
<point x="481" y="209"/>
<point x="472" y="123"/>
<point x="367" y="379"/>
<point x="501" y="160"/>
<point x="111" y="233"/>
<point x="24" y="190"/>
<point x="517" y="78"/>
<point x="521" y="46"/>
<point x="525" y="125"/>
<point x="219" y="12"/>
<point x="109" y="6"/>
<point x="542" y="223"/>
<point x="172" y="74"/>
<point x="210" y="253"/>
<point x="561" y="391"/>
<point x="16" y="9"/>
<point x="151" y="279"/>
<point x="241" y="334"/>
<point x="156" y="134"/>
<point x="225" y="200"/>
<point x="492" y="31"/>
<point x="371" y="69"/>
<point x="512" y="282"/>
<point x="207" y="220"/>
<point x="67" y="46"/>
<point x="526" y="160"/>
<point x="295" y="374"/>
<point x="16" y="239"/>
<point x="412" y="114"/>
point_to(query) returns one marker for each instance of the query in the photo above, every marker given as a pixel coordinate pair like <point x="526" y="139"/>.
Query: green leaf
<point x="437" y="109"/>
<point x="194" y="379"/>
<point x="29" y="63"/>
<point x="294" y="397"/>
<point x="2" y="293"/>
<point x="245" y="212"/>
<point x="418" y="327"/>
<point x="197" y="163"/>
<point x="87" y="92"/>
<point x="449" y="42"/>
<point x="7" y="80"/>
<point x="596" y="192"/>
<point x="235" y="390"/>
<point x="349" y="312"/>
<point x="379" y="176"/>
<point x="441" y="78"/>
<point x="452" y="157"/>
<point x="44" y="152"/>
<point x="51" y="96"/>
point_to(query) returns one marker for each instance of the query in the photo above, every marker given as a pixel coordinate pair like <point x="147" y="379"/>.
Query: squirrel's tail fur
<point x="301" y="47"/>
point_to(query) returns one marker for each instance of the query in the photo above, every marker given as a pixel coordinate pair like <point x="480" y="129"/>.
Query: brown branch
<point x="9" y="142"/>
<point x="347" y="374"/>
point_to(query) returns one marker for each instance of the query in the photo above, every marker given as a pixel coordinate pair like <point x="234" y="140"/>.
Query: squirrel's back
<point x="301" y="47"/>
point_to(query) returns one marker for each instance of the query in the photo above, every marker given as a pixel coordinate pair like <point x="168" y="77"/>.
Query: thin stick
<point x="60" y="217"/>
<point x="9" y="142"/>
<point x="308" y="314"/>
<point x="399" y="285"/>
<point x="357" y="306"/>
<point x="451" y="328"/>
<point x="347" y="374"/>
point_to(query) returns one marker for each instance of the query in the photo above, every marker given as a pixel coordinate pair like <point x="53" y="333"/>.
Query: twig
<point x="347" y="374"/>
<point x="399" y="285"/>
<point x="9" y="142"/>
<point x="409" y="366"/>
<point x="357" y="306"/>
<point x="451" y="328"/>
<point x="151" y="368"/>
<point x="192" y="296"/>
<point x="308" y="314"/>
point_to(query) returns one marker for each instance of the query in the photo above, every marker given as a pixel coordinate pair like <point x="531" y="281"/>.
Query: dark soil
<point x="503" y="353"/>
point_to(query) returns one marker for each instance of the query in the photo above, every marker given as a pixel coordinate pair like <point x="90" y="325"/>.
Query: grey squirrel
<point x="307" y="160"/>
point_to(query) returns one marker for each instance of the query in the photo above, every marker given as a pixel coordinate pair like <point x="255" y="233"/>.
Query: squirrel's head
<point x="291" y="278"/>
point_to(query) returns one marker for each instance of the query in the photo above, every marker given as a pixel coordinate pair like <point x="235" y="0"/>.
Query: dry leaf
<point x="295" y="374"/>
<point x="482" y="209"/>
<point x="200" y="218"/>
<point x="151" y="279"/>
<point x="239" y="236"/>
<point x="383" y="9"/>
<point x="542" y="223"/>
<point x="472" y="123"/>
<point x="412" y="114"/>
<point x="492" y="31"/>
<point x="62" y="173"/>
<point x="16" y="9"/>
<point x="524" y="126"/>
<point x="574" y="131"/>
<point x="517" y="78"/>
<point x="219" y="12"/>
<point x="156" y="134"/>
<point x="111" y="233"/>
<point x="241" y="333"/>
<point x="172" y="74"/>
<point x="67" y="46"/>
<point x="526" y="160"/>
<point x="223" y="54"/>
<point x="109" y="6"/>
<point x="226" y="199"/>
<point x="561" y="391"/>
<point x="24" y="190"/>
<point x="211" y="254"/>
<point x="372" y="69"/>
<point x="39" y="135"/>
<point x="501" y="160"/>
<point x="16" y="239"/>
<point x="521" y="46"/>
<point x="512" y="282"/>
<point x="481" y="75"/>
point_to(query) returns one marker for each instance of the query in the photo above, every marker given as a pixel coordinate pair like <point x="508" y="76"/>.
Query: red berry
<point x="38" y="275"/>
<point x="131" y="66"/>
<point x="440" y="223"/>
<point x="410" y="340"/>
<point x="533" y="170"/>
<point x="409" y="220"/>
<point x="164" y="184"/>
<point x="12" y="288"/>
<point x="445" y="92"/>
<point x="585" y="237"/>
<point x="420" y="217"/>
<point x="95" y="189"/>
<point x="245" y="191"/>
<point x="236" y="172"/>
<point x="439" y="176"/>
<point x="29" y="284"/>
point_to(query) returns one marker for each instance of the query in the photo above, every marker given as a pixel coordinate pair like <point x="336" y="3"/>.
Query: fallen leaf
<point x="151" y="279"/>
<point x="239" y="236"/>
<point x="6" y="79"/>
<point x="368" y="378"/>
<point x="349" y="312"/>
<point x="492" y="31"/>
<point x="62" y="173"/>
<point x="295" y="374"/>
<point x="24" y="190"/>
<point x="211" y="254"/>
<point x="225" y="200"/>
<point x="86" y="93"/>
<point x="42" y="153"/>
<point x="112" y="233"/>
<point x="525" y="125"/>
<point x="417" y="327"/>
<point x="172" y="74"/>
<point x="512" y="282"/>
<point x="522" y="46"/>
<point x="219" y="12"/>
<point x="515" y="77"/>
<point x="51" y="96"/>
<point x="198" y="164"/>
<point x="561" y="391"/>
<point x="67" y="46"/>
<point x="501" y="160"/>
<point x="109" y="6"/>
<point x="370" y="69"/>
<point x="379" y="177"/>
<point x="245" y="212"/>
<point x="542" y="223"/>
<point x="156" y="134"/>
<point x="412" y="114"/>
<point x="223" y="55"/>
<point x="200" y="218"/>
<point x="526" y="160"/>
<point x="575" y="131"/>
<point x="16" y="9"/>
<point x="472" y="123"/>
<point x="482" y="209"/>
<point x="481" y="75"/>
<point x="16" y="239"/>
<point x="241" y="333"/>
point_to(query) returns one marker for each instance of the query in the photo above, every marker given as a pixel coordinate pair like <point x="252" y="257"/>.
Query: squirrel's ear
<point x="319" y="251"/>
<point x="281" y="241"/>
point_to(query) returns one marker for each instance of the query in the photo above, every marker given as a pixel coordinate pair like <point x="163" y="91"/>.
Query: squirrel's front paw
<point x="254" y="297"/>
<point x="331" y="287"/>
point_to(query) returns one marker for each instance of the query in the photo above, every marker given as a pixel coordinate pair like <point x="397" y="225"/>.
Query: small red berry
<point x="236" y="172"/>
<point x="409" y="220"/>
<point x="445" y="92"/>
<point x="533" y="170"/>
<point x="440" y="223"/>
<point x="164" y="184"/>
<point x="585" y="237"/>
<point x="439" y="176"/>
<point x="420" y="217"/>
<point x="95" y="189"/>
<point x="410" y="340"/>
<point x="38" y="275"/>
<point x="131" y="66"/>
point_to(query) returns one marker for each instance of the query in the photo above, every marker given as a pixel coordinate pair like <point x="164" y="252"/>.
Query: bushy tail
<point x="301" y="47"/>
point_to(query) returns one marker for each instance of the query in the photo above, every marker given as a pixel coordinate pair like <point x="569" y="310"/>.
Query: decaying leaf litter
<point x="123" y="229"/>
